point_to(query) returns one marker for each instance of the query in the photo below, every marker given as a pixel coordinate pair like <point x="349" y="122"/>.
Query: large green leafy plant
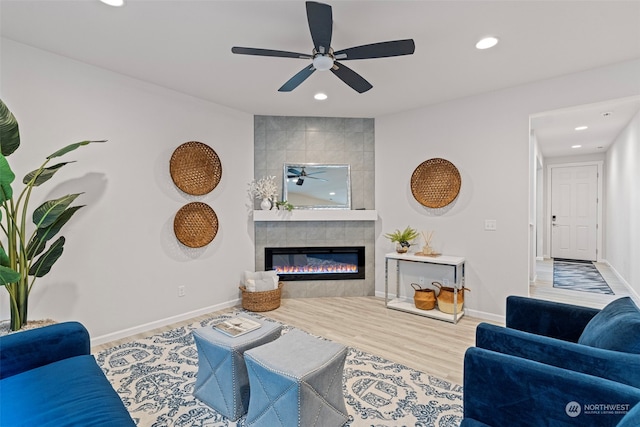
<point x="26" y="252"/>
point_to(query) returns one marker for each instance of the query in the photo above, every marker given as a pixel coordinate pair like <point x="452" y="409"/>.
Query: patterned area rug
<point x="155" y="378"/>
<point x="578" y="275"/>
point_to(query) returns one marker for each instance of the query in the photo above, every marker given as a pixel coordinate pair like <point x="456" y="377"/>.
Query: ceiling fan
<point x="302" y="174"/>
<point x="324" y="58"/>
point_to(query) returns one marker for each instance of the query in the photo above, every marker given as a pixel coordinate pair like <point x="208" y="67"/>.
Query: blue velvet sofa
<point x="555" y="365"/>
<point x="49" y="378"/>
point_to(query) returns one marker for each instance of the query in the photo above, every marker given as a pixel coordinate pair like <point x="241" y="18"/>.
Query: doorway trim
<point x="547" y="222"/>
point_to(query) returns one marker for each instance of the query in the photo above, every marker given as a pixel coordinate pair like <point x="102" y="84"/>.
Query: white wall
<point x="487" y="138"/>
<point x="122" y="263"/>
<point x="623" y="204"/>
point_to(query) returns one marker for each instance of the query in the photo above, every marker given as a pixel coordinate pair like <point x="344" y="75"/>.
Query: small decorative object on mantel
<point x="435" y="183"/>
<point x="283" y="204"/>
<point x="195" y="225"/>
<point x="265" y="189"/>
<point x="402" y="238"/>
<point x="427" y="249"/>
<point x="195" y="168"/>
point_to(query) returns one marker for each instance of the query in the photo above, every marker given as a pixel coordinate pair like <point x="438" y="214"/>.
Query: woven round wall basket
<point x="435" y="183"/>
<point x="195" y="225"/>
<point x="195" y="168"/>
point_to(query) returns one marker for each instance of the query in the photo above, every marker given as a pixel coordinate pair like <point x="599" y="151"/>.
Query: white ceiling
<point x="186" y="46"/>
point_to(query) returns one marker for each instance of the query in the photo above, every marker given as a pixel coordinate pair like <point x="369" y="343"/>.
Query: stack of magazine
<point x="237" y="326"/>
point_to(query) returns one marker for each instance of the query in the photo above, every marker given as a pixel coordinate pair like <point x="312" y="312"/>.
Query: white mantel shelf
<point x="316" y="215"/>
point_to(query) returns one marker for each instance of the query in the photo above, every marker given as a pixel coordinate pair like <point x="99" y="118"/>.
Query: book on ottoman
<point x="237" y="326"/>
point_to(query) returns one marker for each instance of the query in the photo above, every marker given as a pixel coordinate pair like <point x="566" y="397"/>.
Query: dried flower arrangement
<point x="264" y="188"/>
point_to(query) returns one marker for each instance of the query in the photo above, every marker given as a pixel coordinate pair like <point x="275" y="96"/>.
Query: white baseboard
<point x="113" y="336"/>
<point x="485" y="316"/>
<point x="632" y="292"/>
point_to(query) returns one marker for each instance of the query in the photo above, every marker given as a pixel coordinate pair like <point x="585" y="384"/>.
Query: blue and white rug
<point x="578" y="275"/>
<point x="155" y="378"/>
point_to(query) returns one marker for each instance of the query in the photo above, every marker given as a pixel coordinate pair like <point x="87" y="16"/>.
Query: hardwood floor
<point x="425" y="344"/>
<point x="543" y="288"/>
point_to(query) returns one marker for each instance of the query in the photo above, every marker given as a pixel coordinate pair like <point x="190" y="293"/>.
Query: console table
<point x="454" y="264"/>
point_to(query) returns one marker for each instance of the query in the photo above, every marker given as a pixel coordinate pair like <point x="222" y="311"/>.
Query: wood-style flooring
<point x="543" y="288"/>
<point x="421" y="343"/>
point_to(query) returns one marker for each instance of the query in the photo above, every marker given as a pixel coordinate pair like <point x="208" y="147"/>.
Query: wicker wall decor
<point x="195" y="225"/>
<point x="435" y="183"/>
<point x="195" y="168"/>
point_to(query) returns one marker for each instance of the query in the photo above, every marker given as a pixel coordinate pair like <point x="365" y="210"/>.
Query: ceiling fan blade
<point x="295" y="81"/>
<point x="320" y="24"/>
<point x="269" y="52"/>
<point x="378" y="50"/>
<point x="315" y="177"/>
<point x="351" y="78"/>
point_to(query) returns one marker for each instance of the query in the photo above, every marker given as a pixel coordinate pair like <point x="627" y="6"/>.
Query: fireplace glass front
<point x="316" y="263"/>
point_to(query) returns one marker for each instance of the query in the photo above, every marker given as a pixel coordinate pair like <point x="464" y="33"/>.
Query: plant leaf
<point x="9" y="132"/>
<point x="8" y="275"/>
<point x="43" y="264"/>
<point x="48" y="212"/>
<point x="44" y="234"/>
<point x="42" y="175"/>
<point x="71" y="147"/>
<point x="6" y="178"/>
<point x="4" y="258"/>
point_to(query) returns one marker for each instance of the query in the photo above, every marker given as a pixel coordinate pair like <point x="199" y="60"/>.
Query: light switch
<point x="490" y="225"/>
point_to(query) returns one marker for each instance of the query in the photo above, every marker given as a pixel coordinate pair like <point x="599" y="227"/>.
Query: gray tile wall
<point x="280" y="139"/>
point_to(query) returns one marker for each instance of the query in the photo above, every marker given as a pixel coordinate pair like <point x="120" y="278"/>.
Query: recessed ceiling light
<point x="320" y="96"/>
<point x="487" y="42"/>
<point x="116" y="3"/>
<point x="582" y="127"/>
<point x="576" y="146"/>
<point x="332" y="193"/>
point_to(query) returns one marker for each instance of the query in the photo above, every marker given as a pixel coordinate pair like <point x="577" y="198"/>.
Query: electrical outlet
<point x="445" y="282"/>
<point x="490" y="225"/>
<point x="182" y="291"/>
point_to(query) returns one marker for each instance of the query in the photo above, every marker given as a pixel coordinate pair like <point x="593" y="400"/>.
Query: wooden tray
<point x="195" y="225"/>
<point x="195" y="168"/>
<point x="435" y="183"/>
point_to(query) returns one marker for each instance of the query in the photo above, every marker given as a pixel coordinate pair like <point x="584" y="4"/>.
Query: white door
<point x="574" y="212"/>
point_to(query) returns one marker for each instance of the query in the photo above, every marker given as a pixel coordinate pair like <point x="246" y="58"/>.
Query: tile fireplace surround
<point x="279" y="139"/>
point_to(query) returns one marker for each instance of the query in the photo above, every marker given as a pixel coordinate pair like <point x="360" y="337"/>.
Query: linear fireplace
<point x="316" y="263"/>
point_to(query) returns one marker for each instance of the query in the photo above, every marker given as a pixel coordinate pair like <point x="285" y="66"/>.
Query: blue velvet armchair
<point x="49" y="378"/>
<point x="555" y="365"/>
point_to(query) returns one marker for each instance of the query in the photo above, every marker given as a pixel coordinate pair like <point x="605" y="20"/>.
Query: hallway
<point x="543" y="288"/>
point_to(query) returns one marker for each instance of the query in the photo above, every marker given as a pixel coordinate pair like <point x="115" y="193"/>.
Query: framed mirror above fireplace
<point x="317" y="186"/>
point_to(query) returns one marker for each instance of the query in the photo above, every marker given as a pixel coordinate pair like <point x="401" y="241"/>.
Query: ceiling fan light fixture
<point x="487" y="42"/>
<point x="114" y="3"/>
<point x="322" y="62"/>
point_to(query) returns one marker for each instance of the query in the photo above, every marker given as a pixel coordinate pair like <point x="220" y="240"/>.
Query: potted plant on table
<point x="23" y="257"/>
<point x="402" y="238"/>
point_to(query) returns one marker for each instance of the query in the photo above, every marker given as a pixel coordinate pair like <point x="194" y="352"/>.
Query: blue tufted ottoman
<point x="296" y="381"/>
<point x="222" y="381"/>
